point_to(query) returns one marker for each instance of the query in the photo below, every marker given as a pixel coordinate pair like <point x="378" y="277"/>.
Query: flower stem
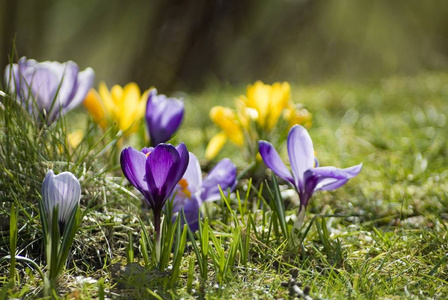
<point x="157" y="220"/>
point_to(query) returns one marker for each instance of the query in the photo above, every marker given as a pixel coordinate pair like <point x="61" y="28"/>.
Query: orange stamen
<point x="183" y="183"/>
<point x="184" y="188"/>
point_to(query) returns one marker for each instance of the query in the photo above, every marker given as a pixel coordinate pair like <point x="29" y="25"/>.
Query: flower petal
<point x="165" y="166"/>
<point x="133" y="166"/>
<point x="310" y="180"/>
<point x="84" y="84"/>
<point x="301" y="153"/>
<point x="191" y="211"/>
<point x="331" y="178"/>
<point x="215" y="145"/>
<point x="193" y="174"/>
<point x="147" y="150"/>
<point x="95" y="107"/>
<point x="223" y="176"/>
<point x="184" y="160"/>
<point x="128" y="105"/>
<point x="279" y="97"/>
<point x="274" y="162"/>
<point x="43" y="84"/>
<point x="109" y="105"/>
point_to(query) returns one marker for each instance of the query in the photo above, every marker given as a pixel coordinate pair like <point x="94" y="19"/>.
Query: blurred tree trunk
<point x="8" y="15"/>
<point x="28" y="16"/>
<point x="181" y="41"/>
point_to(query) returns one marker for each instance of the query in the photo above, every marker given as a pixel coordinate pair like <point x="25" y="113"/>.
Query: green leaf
<point x="13" y="229"/>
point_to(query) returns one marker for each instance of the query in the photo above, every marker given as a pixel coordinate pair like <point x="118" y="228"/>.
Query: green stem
<point x="157" y="219"/>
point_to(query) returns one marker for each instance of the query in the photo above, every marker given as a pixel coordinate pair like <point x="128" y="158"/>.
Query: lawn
<point x="383" y="235"/>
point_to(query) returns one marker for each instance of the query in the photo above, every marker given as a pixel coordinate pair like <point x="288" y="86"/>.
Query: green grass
<point x="382" y="235"/>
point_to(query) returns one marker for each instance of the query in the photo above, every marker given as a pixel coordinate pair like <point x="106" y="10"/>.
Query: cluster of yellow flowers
<point x="257" y="116"/>
<point x="124" y="107"/>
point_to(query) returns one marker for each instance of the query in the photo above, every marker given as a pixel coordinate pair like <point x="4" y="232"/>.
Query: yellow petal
<point x="93" y="104"/>
<point x="108" y="103"/>
<point x="215" y="145"/>
<point x="130" y="113"/>
<point x="227" y="120"/>
<point x="279" y="98"/>
<point x="258" y="98"/>
<point x="117" y="94"/>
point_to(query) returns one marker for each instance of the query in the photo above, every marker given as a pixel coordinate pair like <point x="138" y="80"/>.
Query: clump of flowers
<point x="126" y="106"/>
<point x="306" y="177"/>
<point x="49" y="89"/>
<point x="192" y="191"/>
<point x="155" y="172"/>
<point x="266" y="112"/>
<point x="122" y="106"/>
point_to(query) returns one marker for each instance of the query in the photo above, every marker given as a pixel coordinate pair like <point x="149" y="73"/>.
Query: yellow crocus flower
<point x="123" y="106"/>
<point x="268" y="100"/>
<point x="255" y="117"/>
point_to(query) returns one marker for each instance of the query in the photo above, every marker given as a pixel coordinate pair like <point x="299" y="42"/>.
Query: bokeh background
<point x="187" y="45"/>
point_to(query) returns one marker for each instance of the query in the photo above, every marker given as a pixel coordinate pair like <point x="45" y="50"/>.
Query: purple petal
<point x="165" y="166"/>
<point x="274" y="162"/>
<point x="159" y="164"/>
<point x="147" y="150"/>
<point x="193" y="174"/>
<point x="66" y="85"/>
<point x="223" y="176"/>
<point x="43" y="86"/>
<point x="184" y="160"/>
<point x="310" y="181"/>
<point x="163" y="116"/>
<point x="84" y="84"/>
<point x="331" y="178"/>
<point x="301" y="153"/>
<point x="191" y="211"/>
<point x="133" y="166"/>
<point x="63" y="191"/>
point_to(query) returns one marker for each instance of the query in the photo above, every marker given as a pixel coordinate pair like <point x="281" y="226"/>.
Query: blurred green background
<point x="186" y="45"/>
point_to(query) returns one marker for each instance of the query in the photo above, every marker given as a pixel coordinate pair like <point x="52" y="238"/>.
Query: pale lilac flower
<point x="48" y="89"/>
<point x="192" y="190"/>
<point x="306" y="177"/>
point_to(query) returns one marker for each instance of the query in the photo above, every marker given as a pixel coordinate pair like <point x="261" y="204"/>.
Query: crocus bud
<point x="63" y="191"/>
<point x="163" y="117"/>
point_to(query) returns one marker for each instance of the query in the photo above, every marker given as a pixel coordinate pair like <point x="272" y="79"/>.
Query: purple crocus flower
<point x="63" y="191"/>
<point x="305" y="177"/>
<point x="155" y="173"/>
<point x="48" y="89"/>
<point x="192" y="191"/>
<point x="163" y="116"/>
